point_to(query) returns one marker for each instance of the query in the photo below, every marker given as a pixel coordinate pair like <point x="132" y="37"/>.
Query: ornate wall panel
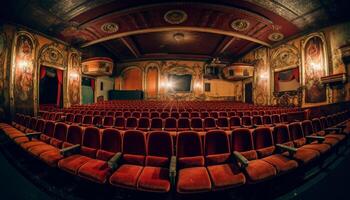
<point x="23" y="72"/>
<point x="132" y="78"/>
<point x="315" y="65"/>
<point x="74" y="78"/>
<point x="3" y="68"/>
<point x="152" y="81"/>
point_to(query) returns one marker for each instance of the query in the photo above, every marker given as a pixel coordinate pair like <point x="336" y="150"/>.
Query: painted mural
<point x="74" y="80"/>
<point x="287" y="80"/>
<point x="24" y="72"/>
<point x="2" y="66"/>
<point x="314" y="69"/>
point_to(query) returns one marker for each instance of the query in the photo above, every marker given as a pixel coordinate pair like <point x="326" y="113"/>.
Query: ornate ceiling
<point x="141" y="29"/>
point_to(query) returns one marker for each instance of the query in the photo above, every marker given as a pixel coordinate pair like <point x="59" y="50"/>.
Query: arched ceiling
<point x="141" y="29"/>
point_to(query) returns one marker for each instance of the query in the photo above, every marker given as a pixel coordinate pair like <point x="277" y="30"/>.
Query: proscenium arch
<point x="177" y="28"/>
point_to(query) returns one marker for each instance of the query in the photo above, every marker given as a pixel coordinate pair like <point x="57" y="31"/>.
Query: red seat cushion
<point x="304" y="155"/>
<point x="39" y="149"/>
<point x="126" y="176"/>
<point x="95" y="170"/>
<point x="281" y="162"/>
<point x="192" y="180"/>
<point x="339" y="137"/>
<point x="322" y="148"/>
<point x="225" y="176"/>
<point x="194" y="161"/>
<point x="72" y="163"/>
<point x="31" y="144"/>
<point x="21" y="140"/>
<point x="259" y="170"/>
<point x="51" y="157"/>
<point x="154" y="179"/>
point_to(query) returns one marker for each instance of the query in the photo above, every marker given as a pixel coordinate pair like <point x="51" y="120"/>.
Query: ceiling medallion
<point x="175" y="16"/>
<point x="240" y="24"/>
<point x="110" y="27"/>
<point x="276" y="36"/>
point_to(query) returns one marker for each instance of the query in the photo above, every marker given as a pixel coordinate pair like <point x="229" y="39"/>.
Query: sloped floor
<point x="25" y="178"/>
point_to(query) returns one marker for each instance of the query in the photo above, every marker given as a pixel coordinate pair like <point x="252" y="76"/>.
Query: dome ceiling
<point x="142" y="29"/>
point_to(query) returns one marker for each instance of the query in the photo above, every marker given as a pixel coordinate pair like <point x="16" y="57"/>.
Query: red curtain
<point x="42" y="72"/>
<point x="59" y="85"/>
<point x="93" y="84"/>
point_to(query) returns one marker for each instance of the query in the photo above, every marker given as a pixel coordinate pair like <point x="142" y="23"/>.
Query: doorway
<point x="50" y="87"/>
<point x="248" y="92"/>
<point x="88" y="88"/>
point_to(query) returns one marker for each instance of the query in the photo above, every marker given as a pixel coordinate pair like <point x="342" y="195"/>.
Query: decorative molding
<point x="175" y="16"/>
<point x="51" y="55"/>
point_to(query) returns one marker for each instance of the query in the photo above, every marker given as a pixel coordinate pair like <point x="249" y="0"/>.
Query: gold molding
<point x="176" y="28"/>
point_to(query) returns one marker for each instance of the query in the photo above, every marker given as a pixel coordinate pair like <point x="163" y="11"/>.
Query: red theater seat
<point x="223" y="123"/>
<point x="209" y="123"/>
<point x="44" y="137"/>
<point x="196" y="124"/>
<point x="193" y="176"/>
<point x="144" y="124"/>
<point x="119" y="123"/>
<point x="74" y="136"/>
<point x="155" y="174"/>
<point x="132" y="162"/>
<point x="156" y="124"/>
<point x="78" y="118"/>
<point x="223" y="172"/>
<point x="131" y="123"/>
<point x="88" y="149"/>
<point x="87" y="120"/>
<point x="98" y="170"/>
<point x="256" y="170"/>
<point x="235" y="122"/>
<point x="264" y="146"/>
<point x="170" y="124"/>
<point x="97" y="120"/>
<point x="108" y="121"/>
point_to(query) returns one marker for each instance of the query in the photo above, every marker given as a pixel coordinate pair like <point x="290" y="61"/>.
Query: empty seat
<point x="235" y="122"/>
<point x="131" y="123"/>
<point x="87" y="151"/>
<point x="156" y="124"/>
<point x="264" y="146"/>
<point x="87" y="120"/>
<point x="155" y="176"/>
<point x="257" y="120"/>
<point x="44" y="137"/>
<point x="256" y="169"/>
<point x="196" y="124"/>
<point x="170" y="124"/>
<point x="98" y="170"/>
<point x="195" y="114"/>
<point x="126" y="114"/>
<point x="59" y="136"/>
<point x="192" y="175"/>
<point x="136" y="114"/>
<point x="204" y="115"/>
<point x="70" y="118"/>
<point x="74" y="136"/>
<point x="78" y="118"/>
<point x="185" y="114"/>
<point x="247" y="121"/>
<point x="175" y="115"/>
<point x="267" y="121"/>
<point x="209" y="123"/>
<point x="276" y="119"/>
<point x="108" y="121"/>
<point x="145" y="115"/>
<point x="164" y="115"/>
<point x="214" y="114"/>
<point x="281" y="135"/>
<point x="154" y="114"/>
<point x="119" y="122"/>
<point x="144" y="124"/>
<point x="97" y="120"/>
<point x="224" y="173"/>
<point x="132" y="162"/>
<point x="223" y="123"/>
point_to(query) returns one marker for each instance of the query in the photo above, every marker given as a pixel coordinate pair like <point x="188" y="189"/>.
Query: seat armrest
<point x="172" y="170"/>
<point x="337" y="130"/>
<point x="33" y="135"/>
<point x="241" y="159"/>
<point x="113" y="162"/>
<point x="70" y="150"/>
<point x="319" y="139"/>
<point x="291" y="150"/>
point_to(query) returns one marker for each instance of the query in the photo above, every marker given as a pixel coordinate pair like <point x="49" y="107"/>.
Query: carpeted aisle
<point x="14" y="185"/>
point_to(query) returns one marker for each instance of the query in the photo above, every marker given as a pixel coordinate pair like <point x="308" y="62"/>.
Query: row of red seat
<point x="149" y="162"/>
<point x="168" y="124"/>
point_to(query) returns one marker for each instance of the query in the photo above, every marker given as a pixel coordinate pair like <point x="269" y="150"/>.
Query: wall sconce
<point x="74" y="75"/>
<point x="264" y="76"/>
<point x="197" y="85"/>
<point x="23" y="64"/>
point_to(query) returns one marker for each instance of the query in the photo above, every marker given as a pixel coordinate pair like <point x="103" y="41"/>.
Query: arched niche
<point x="152" y="80"/>
<point x="132" y="78"/>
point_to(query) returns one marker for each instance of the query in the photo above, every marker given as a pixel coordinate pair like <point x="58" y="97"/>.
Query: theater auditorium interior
<point x="151" y="99"/>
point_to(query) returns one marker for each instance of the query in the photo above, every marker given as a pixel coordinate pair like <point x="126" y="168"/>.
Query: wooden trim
<point x="177" y="28"/>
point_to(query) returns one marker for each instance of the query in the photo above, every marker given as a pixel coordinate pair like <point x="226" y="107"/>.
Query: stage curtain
<point x="59" y="82"/>
<point x="42" y="72"/>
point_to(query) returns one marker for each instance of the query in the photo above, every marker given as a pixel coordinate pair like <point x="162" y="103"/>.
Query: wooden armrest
<point x="291" y="150"/>
<point x="69" y="150"/>
<point x="172" y="170"/>
<point x="113" y="162"/>
<point x="33" y="135"/>
<point x="319" y="139"/>
<point x="241" y="159"/>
